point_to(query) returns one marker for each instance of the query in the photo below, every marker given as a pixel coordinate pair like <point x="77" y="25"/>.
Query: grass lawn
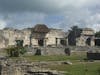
<point x="56" y="58"/>
<point x="78" y="69"/>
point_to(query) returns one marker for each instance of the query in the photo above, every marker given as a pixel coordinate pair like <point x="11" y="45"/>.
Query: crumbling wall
<point x="86" y="38"/>
<point x="53" y="34"/>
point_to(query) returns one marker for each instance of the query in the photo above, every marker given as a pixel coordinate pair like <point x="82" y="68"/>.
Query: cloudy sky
<point x="54" y="13"/>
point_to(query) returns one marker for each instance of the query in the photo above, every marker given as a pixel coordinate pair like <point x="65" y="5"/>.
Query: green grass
<point x="78" y="69"/>
<point x="56" y="58"/>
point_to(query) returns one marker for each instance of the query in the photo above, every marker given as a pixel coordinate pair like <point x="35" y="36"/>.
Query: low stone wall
<point x="56" y="50"/>
<point x="49" y="51"/>
<point x="61" y="50"/>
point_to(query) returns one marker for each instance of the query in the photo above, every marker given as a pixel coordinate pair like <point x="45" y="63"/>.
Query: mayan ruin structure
<point x="41" y="35"/>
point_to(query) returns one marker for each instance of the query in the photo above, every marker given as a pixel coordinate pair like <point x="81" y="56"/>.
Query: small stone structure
<point x="86" y="38"/>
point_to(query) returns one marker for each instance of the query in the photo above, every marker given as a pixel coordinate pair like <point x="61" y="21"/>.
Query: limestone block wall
<point x="92" y="41"/>
<point x="52" y="35"/>
<point x="34" y="42"/>
<point x="88" y="32"/>
<point x="9" y="35"/>
<point x="3" y="41"/>
<point x="26" y="36"/>
<point x="81" y="41"/>
<point x="13" y="35"/>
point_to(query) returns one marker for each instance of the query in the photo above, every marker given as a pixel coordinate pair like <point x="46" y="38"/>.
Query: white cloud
<point x="96" y="27"/>
<point x="2" y="24"/>
<point x="27" y="13"/>
<point x="23" y="20"/>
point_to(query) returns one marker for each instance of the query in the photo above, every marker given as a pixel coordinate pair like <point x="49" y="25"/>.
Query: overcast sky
<point x="54" y="13"/>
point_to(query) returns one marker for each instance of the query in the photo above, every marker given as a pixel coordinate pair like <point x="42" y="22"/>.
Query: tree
<point x="97" y="34"/>
<point x="73" y="34"/>
<point x="76" y="31"/>
<point x="12" y="51"/>
<point x="15" y="51"/>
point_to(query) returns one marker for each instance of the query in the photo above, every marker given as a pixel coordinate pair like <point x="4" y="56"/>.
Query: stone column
<point x="66" y="41"/>
<point x="30" y="41"/>
<point x="92" y="41"/>
<point x="44" y="42"/>
<point x="56" y="41"/>
<point x="59" y="41"/>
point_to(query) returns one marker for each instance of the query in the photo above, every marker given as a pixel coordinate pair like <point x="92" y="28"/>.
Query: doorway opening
<point x="88" y="41"/>
<point x="63" y="42"/>
<point x="41" y="42"/>
<point x="97" y="42"/>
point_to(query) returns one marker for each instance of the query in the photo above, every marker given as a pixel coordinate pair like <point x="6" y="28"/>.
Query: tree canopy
<point x="76" y="31"/>
<point x="97" y="34"/>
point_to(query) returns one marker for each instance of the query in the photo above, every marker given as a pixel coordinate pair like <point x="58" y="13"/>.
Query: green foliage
<point x="19" y="43"/>
<point x="23" y="50"/>
<point x="97" y="34"/>
<point x="15" y="51"/>
<point x="76" y="31"/>
<point x="12" y="51"/>
<point x="73" y="34"/>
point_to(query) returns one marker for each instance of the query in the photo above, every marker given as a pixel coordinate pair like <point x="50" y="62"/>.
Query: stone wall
<point x="53" y="34"/>
<point x="86" y="38"/>
<point x="52" y="38"/>
<point x="8" y="37"/>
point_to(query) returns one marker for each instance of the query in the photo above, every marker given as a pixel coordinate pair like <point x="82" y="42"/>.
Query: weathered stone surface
<point x="24" y="67"/>
<point x="86" y="38"/>
<point x="54" y="37"/>
<point x="9" y="35"/>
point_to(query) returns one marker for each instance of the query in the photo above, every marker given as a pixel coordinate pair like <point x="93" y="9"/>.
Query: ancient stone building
<point x="85" y="38"/>
<point x="41" y="35"/>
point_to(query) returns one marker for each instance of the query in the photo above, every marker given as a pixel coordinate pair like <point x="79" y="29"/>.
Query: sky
<point x="61" y="14"/>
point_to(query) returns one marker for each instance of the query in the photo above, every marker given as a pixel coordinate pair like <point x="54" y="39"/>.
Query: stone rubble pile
<point x="24" y="67"/>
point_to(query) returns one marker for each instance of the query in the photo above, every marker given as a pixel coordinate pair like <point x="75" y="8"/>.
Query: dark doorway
<point x="38" y="52"/>
<point x="41" y="42"/>
<point x="88" y="41"/>
<point x="63" y="42"/>
<point x="97" y="42"/>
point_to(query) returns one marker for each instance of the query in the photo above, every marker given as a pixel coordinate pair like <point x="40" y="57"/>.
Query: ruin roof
<point x="88" y="29"/>
<point x="41" y="28"/>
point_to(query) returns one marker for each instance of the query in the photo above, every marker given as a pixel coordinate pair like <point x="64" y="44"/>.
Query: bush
<point x="23" y="51"/>
<point x="15" y="51"/>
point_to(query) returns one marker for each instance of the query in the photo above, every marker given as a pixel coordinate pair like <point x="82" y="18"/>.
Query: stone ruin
<point x="49" y="41"/>
<point x="24" y="67"/>
<point x="41" y="35"/>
